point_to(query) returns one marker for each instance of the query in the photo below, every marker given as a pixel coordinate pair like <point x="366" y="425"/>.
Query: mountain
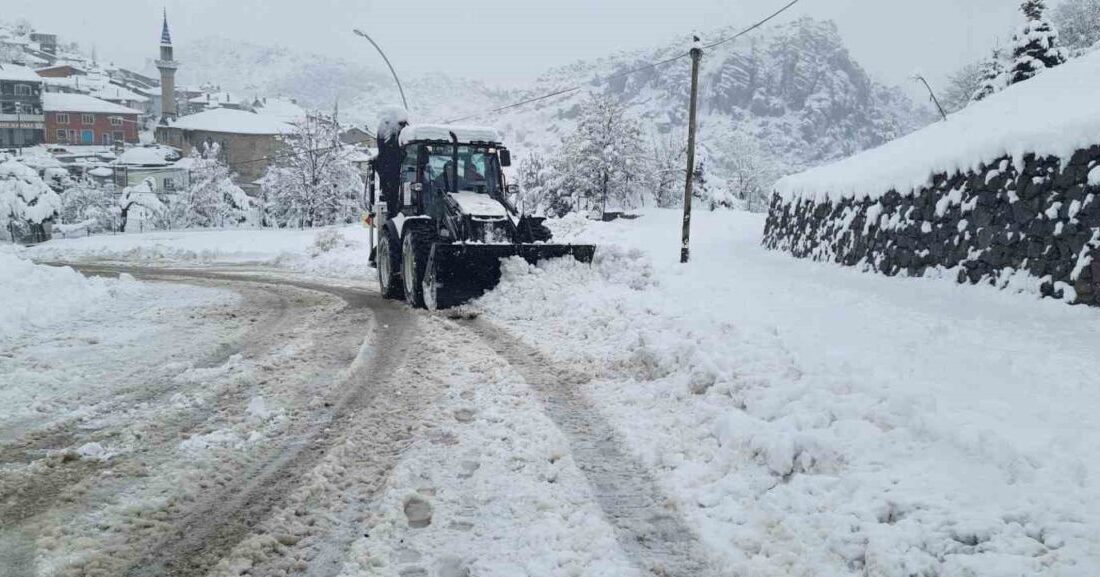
<point x="791" y="89"/>
<point x="318" y="82"/>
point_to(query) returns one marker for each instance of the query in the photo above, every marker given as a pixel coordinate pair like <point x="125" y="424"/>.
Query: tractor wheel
<point x="436" y="296"/>
<point x="415" y="250"/>
<point x="388" y="262"/>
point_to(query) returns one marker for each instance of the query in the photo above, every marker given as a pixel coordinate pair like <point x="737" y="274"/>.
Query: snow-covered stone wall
<point x="1030" y="223"/>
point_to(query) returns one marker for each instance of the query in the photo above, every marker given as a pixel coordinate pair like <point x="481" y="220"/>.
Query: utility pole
<point x="696" y="56"/>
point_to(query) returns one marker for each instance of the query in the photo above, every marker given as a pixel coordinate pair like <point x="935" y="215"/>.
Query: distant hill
<point x="791" y="88"/>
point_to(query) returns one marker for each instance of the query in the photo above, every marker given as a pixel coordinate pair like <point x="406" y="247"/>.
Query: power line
<point x="631" y="71"/>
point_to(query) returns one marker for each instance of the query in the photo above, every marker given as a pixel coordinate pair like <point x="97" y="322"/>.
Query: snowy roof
<point x="282" y="109"/>
<point x="115" y="92"/>
<point x="14" y="72"/>
<point x="232" y="121"/>
<point x="142" y="157"/>
<point x="58" y="102"/>
<point x="216" y="98"/>
<point x="416" y="132"/>
<point x="101" y="172"/>
<point x="1055" y="113"/>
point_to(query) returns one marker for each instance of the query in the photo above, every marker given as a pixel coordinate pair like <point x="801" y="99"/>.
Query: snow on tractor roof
<point x="1055" y="113"/>
<point x="420" y="132"/>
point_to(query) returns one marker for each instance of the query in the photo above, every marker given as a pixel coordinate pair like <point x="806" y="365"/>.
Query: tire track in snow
<point x="647" y="525"/>
<point x="213" y="527"/>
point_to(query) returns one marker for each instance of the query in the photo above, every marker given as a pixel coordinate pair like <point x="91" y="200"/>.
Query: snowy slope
<point x="1055" y="113"/>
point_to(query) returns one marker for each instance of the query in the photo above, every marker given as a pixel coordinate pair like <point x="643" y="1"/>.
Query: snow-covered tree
<point x="533" y="178"/>
<point x="211" y="198"/>
<point x="668" y="158"/>
<point x="141" y="197"/>
<point x="993" y="78"/>
<point x="25" y="200"/>
<point x="312" y="182"/>
<point x="601" y="164"/>
<point x="1035" y="47"/>
<point x="91" y="203"/>
<point x="748" y="169"/>
<point x="1078" y="24"/>
<point x="961" y="86"/>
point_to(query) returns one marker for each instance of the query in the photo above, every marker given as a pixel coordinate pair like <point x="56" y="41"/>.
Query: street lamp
<point x="359" y="32"/>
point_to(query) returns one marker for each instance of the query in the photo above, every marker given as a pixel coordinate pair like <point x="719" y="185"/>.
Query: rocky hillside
<point x="793" y="88"/>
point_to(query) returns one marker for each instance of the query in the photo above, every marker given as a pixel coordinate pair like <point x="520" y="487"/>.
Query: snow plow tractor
<point x="442" y="217"/>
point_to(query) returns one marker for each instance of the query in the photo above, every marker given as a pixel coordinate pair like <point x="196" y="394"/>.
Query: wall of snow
<point x="1029" y="222"/>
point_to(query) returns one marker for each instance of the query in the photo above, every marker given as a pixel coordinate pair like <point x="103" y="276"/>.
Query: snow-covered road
<point x="749" y="414"/>
<point x="285" y="425"/>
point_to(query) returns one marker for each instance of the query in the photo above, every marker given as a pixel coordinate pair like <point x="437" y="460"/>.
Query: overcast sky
<point x="511" y="41"/>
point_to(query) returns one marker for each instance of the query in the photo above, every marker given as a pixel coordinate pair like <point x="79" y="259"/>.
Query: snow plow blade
<point x="458" y="273"/>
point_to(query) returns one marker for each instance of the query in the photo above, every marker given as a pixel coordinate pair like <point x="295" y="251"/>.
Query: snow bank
<point x="1054" y="113"/>
<point x="812" y="420"/>
<point x="336" y="251"/>
<point x="37" y="296"/>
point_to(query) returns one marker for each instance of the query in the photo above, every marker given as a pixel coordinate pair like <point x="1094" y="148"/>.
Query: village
<point x="73" y="119"/>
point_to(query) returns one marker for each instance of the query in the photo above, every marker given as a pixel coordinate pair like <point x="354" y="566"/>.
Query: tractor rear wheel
<point x="388" y="262"/>
<point x="416" y="247"/>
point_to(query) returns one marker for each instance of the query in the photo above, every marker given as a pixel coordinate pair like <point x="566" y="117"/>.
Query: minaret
<point x="167" y="66"/>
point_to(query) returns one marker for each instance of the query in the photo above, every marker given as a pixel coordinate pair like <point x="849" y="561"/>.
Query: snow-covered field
<point x="805" y="418"/>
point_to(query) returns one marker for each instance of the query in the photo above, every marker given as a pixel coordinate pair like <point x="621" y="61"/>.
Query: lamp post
<point x="359" y="32"/>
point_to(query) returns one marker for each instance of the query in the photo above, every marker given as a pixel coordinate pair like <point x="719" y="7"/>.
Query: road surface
<point x="289" y="434"/>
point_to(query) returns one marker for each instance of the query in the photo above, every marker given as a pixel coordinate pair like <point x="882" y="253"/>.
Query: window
<point x="7" y="108"/>
<point x="116" y="121"/>
<point x="61" y="118"/>
<point x="169" y="184"/>
<point x="22" y="90"/>
<point x="87" y="118"/>
<point x="106" y="139"/>
<point x="62" y="135"/>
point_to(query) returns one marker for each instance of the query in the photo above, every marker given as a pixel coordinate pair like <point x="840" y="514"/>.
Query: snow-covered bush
<point x="141" y="197"/>
<point x="25" y="200"/>
<point x="312" y="182"/>
<point x="91" y="205"/>
<point x="328" y="240"/>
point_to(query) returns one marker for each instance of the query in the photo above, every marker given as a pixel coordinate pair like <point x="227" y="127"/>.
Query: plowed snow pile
<point x="36" y="296"/>
<point x="814" y="420"/>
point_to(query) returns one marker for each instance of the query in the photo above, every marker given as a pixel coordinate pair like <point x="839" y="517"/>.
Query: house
<point x="138" y="164"/>
<point x="356" y="136"/>
<point x="61" y="71"/>
<point x="210" y="100"/>
<point x="21" y="119"/>
<point x="81" y="119"/>
<point x="46" y="42"/>
<point x="124" y="97"/>
<point x="248" y="141"/>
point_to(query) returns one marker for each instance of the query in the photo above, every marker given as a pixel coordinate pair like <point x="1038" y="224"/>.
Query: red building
<point x="81" y="119"/>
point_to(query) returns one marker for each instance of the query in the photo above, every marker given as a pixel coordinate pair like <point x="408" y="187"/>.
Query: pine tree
<point x="1035" y="46"/>
<point x="993" y="78"/>
<point x="1078" y="24"/>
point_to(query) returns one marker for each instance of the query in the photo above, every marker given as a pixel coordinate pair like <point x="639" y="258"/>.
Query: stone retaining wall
<point x="1027" y="225"/>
